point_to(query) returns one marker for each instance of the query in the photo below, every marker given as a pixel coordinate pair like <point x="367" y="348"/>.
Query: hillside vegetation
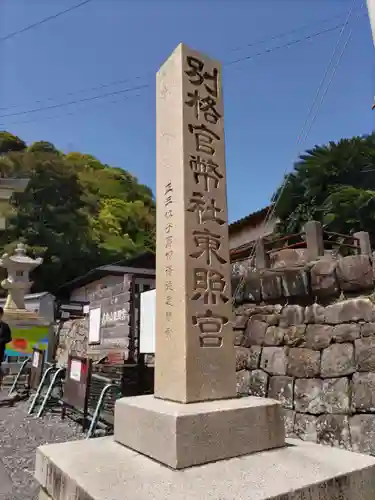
<point x="334" y="184"/>
<point x="76" y="212"/>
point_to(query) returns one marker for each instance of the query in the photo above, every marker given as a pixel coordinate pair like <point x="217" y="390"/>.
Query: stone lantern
<point x="18" y="266"/>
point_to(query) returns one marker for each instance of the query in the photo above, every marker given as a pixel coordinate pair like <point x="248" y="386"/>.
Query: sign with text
<point x="109" y="328"/>
<point x="195" y="357"/>
<point x="35" y="360"/>
<point x="94" y="325"/>
<point x="37" y="366"/>
<point x="75" y="370"/>
<point x="147" y="327"/>
<point x="77" y="383"/>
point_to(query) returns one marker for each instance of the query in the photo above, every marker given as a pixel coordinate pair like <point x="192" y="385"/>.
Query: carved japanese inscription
<point x="195" y="357"/>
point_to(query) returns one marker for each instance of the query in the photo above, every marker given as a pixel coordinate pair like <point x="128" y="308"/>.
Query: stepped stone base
<point x="101" y="469"/>
<point x="13" y="314"/>
<point x="182" y="435"/>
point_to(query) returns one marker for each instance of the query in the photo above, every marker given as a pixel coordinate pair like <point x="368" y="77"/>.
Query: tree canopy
<point x="334" y="184"/>
<point x="76" y="212"/>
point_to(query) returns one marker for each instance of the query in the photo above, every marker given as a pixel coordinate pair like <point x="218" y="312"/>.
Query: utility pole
<point x="371" y="15"/>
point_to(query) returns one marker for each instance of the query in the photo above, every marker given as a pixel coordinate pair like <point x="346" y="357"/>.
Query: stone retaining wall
<point x="319" y="362"/>
<point x="325" y="279"/>
<point x="72" y="338"/>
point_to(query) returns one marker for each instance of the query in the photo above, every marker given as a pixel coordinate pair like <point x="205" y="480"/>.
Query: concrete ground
<point x="20" y="435"/>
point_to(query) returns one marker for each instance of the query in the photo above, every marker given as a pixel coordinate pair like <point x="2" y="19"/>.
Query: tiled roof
<point x="249" y="219"/>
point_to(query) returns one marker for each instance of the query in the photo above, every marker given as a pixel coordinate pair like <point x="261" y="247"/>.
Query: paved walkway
<point x="20" y="435"/>
<point x="5" y="483"/>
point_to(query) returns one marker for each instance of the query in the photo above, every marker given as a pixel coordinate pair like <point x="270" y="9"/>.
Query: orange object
<point x="20" y="344"/>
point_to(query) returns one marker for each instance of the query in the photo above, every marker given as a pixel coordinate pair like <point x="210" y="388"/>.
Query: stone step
<point x="298" y="470"/>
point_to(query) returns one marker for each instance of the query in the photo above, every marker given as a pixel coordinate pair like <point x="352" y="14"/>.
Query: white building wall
<point x="371" y="15"/>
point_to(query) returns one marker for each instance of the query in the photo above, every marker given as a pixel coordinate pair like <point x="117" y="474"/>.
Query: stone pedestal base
<point x="21" y="314"/>
<point x="182" y="435"/>
<point x="101" y="469"/>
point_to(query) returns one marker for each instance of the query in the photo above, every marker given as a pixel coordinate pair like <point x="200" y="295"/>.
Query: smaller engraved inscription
<point x="168" y="245"/>
<point x="168" y="241"/>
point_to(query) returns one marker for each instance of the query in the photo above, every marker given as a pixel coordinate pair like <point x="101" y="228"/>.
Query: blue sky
<point x="267" y="98"/>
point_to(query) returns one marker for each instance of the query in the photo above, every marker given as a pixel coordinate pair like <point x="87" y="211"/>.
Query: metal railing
<point x="21" y="371"/>
<point x="315" y="240"/>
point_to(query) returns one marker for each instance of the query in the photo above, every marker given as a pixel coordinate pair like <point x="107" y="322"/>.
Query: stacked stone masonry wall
<point x="319" y="362"/>
<point x="313" y="350"/>
<point x="72" y="339"/>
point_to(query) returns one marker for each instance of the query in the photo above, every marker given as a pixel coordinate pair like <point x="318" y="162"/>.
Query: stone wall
<point x="318" y="361"/>
<point x="71" y="338"/>
<point x="323" y="279"/>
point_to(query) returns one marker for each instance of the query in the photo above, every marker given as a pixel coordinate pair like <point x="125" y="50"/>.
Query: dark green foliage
<point x="43" y="147"/>
<point x="334" y="184"/>
<point x="10" y="142"/>
<point x="76" y="212"/>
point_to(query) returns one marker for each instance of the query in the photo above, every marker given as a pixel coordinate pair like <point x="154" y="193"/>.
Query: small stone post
<point x="314" y="239"/>
<point x="262" y="259"/>
<point x="364" y="242"/>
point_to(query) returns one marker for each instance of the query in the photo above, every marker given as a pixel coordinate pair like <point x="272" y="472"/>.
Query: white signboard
<point x="36" y="359"/>
<point x="75" y="370"/>
<point x="94" y="325"/>
<point x="147" y="327"/>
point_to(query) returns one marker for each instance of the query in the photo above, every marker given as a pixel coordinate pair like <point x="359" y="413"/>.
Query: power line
<point x="43" y="21"/>
<point x="229" y="63"/>
<point x="271" y="210"/>
<point x="303" y="138"/>
<point x="151" y="74"/>
<point x="330" y="81"/>
<point x="286" y="45"/>
<point x="290" y="32"/>
<point x="86" y="99"/>
<point x="72" y="113"/>
<point x="90" y="89"/>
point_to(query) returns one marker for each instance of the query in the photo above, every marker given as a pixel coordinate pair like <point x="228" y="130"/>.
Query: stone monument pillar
<point x="194" y="439"/>
<point x="194" y="306"/>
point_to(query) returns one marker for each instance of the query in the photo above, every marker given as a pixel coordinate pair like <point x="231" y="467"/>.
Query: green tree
<point x="334" y="184"/>
<point x="43" y="147"/>
<point x="10" y="142"/>
<point x="76" y="212"/>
